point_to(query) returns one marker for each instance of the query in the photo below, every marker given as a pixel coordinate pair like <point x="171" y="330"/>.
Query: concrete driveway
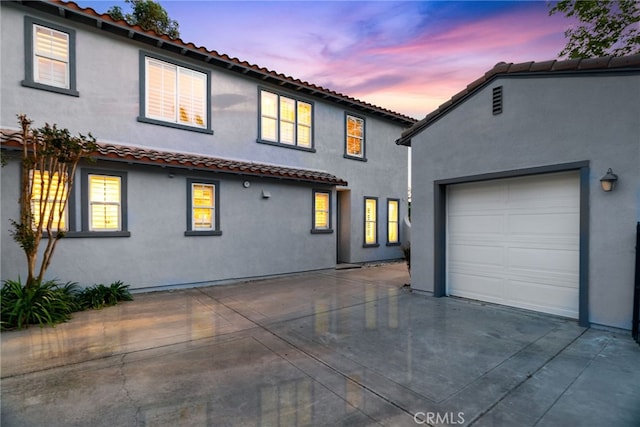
<point x="337" y="347"/>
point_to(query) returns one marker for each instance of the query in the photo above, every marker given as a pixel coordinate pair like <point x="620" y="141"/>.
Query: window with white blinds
<point x="370" y="221"/>
<point x="393" y="221"/>
<point x="51" y="57"/>
<point x="175" y="94"/>
<point x="47" y="200"/>
<point x="321" y="210"/>
<point x="105" y="205"/>
<point x="202" y="206"/>
<point x="203" y="213"/>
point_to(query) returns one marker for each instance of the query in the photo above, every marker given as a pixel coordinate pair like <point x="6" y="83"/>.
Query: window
<point x="393" y="223"/>
<point x="174" y="95"/>
<point x="371" y="221"/>
<point x="321" y="212"/>
<point x="285" y="121"/>
<point x="104" y="196"/>
<point x="49" y="57"/>
<point x="48" y="194"/>
<point x="354" y="138"/>
<point x="202" y="208"/>
<point x="104" y="203"/>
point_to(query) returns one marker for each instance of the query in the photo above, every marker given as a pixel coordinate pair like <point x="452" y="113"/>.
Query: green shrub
<point x="43" y="303"/>
<point x="100" y="296"/>
<point x="50" y="302"/>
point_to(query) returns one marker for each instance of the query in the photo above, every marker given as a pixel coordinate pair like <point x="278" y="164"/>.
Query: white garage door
<point x="516" y="242"/>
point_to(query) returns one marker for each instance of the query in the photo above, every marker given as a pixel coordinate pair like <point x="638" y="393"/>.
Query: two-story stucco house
<point x="508" y="205"/>
<point x="209" y="169"/>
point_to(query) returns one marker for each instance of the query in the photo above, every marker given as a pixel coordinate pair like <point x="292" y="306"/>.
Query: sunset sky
<point x="409" y="57"/>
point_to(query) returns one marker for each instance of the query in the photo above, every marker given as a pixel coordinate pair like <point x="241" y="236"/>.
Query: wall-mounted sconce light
<point x="608" y="182"/>
<point x="246" y="184"/>
<point x="266" y="194"/>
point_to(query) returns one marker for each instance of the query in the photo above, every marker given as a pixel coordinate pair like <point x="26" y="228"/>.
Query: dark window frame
<point x="364" y="223"/>
<point x="216" y="208"/>
<point x="277" y="143"/>
<point x="399" y="242"/>
<point x="29" y="80"/>
<point x="346" y="154"/>
<point x="315" y="230"/>
<point x="143" y="93"/>
<point x="84" y="205"/>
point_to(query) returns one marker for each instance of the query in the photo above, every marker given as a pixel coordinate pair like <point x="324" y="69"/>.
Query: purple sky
<point x="409" y="57"/>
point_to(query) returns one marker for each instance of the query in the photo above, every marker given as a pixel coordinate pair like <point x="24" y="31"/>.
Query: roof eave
<point x="626" y="64"/>
<point x="70" y="10"/>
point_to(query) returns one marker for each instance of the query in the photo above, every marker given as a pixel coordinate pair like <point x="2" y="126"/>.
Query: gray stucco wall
<point x="260" y="236"/>
<point x="108" y="107"/>
<point x="546" y="121"/>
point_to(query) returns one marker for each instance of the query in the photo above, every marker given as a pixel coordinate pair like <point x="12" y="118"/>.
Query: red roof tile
<point x="12" y="139"/>
<point x="559" y="67"/>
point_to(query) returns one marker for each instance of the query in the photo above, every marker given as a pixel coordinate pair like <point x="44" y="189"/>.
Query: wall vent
<point x="497" y="100"/>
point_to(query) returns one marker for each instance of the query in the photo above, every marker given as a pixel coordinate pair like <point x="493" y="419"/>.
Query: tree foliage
<point x="50" y="157"/>
<point x="149" y="15"/>
<point x="606" y="27"/>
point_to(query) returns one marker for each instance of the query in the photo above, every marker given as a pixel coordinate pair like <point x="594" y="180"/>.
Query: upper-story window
<point x="49" y="57"/>
<point x="354" y="138"/>
<point x="174" y="95"/>
<point x="285" y="121"/>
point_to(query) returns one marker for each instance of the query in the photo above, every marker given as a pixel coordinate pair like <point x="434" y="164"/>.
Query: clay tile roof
<point x="12" y="139"/>
<point x="71" y="10"/>
<point x="629" y="63"/>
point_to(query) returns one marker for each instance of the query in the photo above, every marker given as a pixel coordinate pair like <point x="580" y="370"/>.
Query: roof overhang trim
<point x="73" y="12"/>
<point x="135" y="155"/>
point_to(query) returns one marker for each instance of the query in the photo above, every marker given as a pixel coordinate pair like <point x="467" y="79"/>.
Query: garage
<point x="516" y="242"/>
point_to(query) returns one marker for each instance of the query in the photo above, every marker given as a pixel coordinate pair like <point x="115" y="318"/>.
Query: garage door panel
<point x="540" y="260"/>
<point x="480" y="224"/>
<point x="548" y="224"/>
<point x="478" y="196"/>
<point x="516" y="242"/>
<point x="476" y="255"/>
<point x="468" y="286"/>
<point x="562" y="301"/>
<point x="559" y="190"/>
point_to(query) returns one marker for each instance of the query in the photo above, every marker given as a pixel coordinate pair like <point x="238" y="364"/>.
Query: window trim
<point x="346" y="154"/>
<point x="364" y="223"/>
<point x="29" y="81"/>
<point x="143" y="93"/>
<point x="398" y="242"/>
<point x="84" y="201"/>
<point x="314" y="229"/>
<point x="277" y="143"/>
<point x="216" y="211"/>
